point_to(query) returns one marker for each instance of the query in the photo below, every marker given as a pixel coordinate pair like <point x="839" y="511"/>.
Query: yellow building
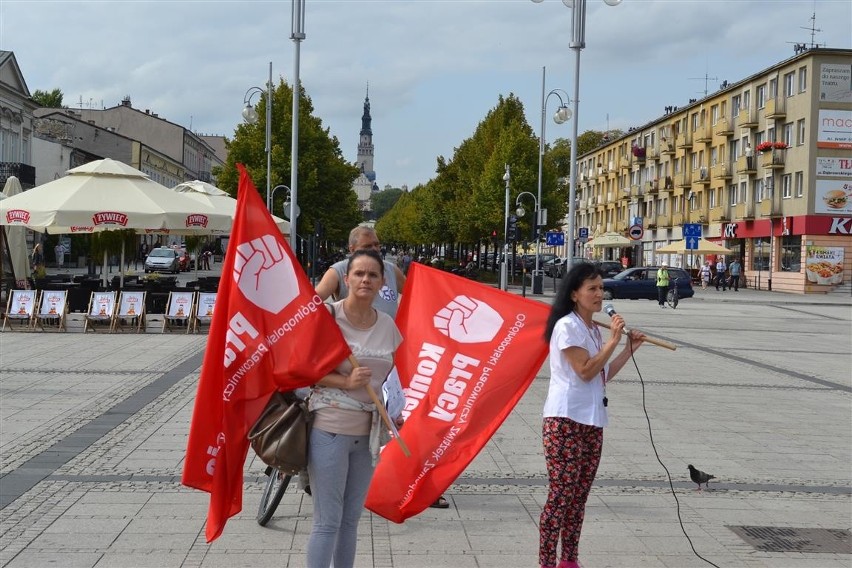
<point x="764" y="165"/>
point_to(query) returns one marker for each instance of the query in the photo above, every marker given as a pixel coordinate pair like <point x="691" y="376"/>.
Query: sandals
<point x="440" y="503"/>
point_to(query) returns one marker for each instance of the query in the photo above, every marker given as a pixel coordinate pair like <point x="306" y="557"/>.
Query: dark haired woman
<point x="575" y="409"/>
<point x="346" y="434"/>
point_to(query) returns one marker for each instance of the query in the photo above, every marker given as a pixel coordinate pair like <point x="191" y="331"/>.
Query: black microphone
<point x="610" y="310"/>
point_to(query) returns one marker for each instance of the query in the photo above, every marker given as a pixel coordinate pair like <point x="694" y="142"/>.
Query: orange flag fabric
<point x="270" y="331"/>
<point x="468" y="355"/>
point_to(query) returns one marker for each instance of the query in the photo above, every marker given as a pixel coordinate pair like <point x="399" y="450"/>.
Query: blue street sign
<point x="555" y="239"/>
<point x="691" y="242"/>
<point x="583" y="232"/>
<point x="692" y="230"/>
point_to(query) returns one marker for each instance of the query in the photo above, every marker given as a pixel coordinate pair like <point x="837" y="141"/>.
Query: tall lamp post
<point x="297" y="34"/>
<point x="521" y="212"/>
<point x="562" y="114"/>
<point x="578" y="42"/>
<point x="504" y="269"/>
<point x="250" y="116"/>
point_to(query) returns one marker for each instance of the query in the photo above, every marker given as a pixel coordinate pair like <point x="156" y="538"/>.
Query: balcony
<point x="635" y="190"/>
<point x="653" y="186"/>
<point x="667" y="147"/>
<point x="624" y="164"/>
<point x="684" y="140"/>
<point x="767" y="208"/>
<point x="677" y="219"/>
<point x="24" y="172"/>
<point x="747" y="118"/>
<point x="664" y="221"/>
<point x="776" y="108"/>
<point x="718" y="214"/>
<point x="683" y="179"/>
<point x="774" y="159"/>
<point x="724" y="127"/>
<point x="651" y="153"/>
<point x="703" y="134"/>
<point x="744" y="211"/>
<point x="668" y="183"/>
<point x="703" y="177"/>
<point x="721" y="171"/>
<point x="602" y="172"/>
<point x="744" y="167"/>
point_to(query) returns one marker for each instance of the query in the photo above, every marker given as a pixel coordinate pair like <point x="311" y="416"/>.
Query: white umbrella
<point x="212" y="196"/>
<point x="609" y="240"/>
<point x="103" y="195"/>
<point x="16" y="238"/>
<point x="702" y="246"/>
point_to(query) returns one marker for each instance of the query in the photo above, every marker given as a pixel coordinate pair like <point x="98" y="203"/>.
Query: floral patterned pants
<point x="572" y="452"/>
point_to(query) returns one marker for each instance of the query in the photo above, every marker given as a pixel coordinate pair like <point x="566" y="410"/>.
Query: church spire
<point x="366" y="119"/>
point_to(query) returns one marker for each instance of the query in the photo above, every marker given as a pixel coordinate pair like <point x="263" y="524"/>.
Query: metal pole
<point x="297" y="34"/>
<point x="578" y="23"/>
<point x="269" y="141"/>
<point x="504" y="278"/>
<point x="540" y="168"/>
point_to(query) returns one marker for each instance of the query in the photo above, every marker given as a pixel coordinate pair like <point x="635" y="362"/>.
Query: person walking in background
<point x="575" y="411"/>
<point x="705" y="273"/>
<point x="59" y="251"/>
<point x="345" y="436"/>
<point x="37" y="261"/>
<point x="721" y="274"/>
<point x="662" y="284"/>
<point x="735" y="269"/>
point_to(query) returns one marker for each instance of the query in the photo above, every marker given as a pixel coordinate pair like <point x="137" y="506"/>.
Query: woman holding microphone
<point x="581" y="364"/>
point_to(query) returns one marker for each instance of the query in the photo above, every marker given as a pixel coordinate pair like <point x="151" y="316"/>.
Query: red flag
<point x="270" y="331"/>
<point x="468" y="355"/>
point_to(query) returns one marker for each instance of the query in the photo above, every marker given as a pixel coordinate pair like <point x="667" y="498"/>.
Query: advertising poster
<point x="22" y="302"/>
<point x="833" y="197"/>
<point x="103" y="304"/>
<point x="53" y="303"/>
<point x="131" y="304"/>
<point x="835" y="83"/>
<point x="834" y="167"/>
<point x="180" y="305"/>
<point x="206" y="302"/>
<point x="835" y="129"/>
<point x="824" y="265"/>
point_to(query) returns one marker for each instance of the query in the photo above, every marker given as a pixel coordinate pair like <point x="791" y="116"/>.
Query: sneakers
<point x="663" y="306"/>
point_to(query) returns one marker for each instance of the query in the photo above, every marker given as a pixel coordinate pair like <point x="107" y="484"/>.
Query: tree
<point x="52" y="99"/>
<point x="325" y="178"/>
<point x="382" y="201"/>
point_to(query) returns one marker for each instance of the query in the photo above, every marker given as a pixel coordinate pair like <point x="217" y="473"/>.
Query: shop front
<point x="807" y="254"/>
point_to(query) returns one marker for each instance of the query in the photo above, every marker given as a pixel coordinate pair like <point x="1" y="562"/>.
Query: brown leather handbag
<point x="280" y="435"/>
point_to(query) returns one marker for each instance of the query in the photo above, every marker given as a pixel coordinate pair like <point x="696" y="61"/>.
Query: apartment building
<point x="764" y="165"/>
<point x="16" y="123"/>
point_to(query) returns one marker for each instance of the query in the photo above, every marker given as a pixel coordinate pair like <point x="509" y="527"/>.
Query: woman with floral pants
<point x="575" y="409"/>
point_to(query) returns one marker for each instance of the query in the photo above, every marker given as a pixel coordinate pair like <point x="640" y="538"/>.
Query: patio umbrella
<point x="16" y="238"/>
<point x="702" y="247"/>
<point x="610" y="240"/>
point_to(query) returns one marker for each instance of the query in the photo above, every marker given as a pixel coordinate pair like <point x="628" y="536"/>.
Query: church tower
<point x="365" y="184"/>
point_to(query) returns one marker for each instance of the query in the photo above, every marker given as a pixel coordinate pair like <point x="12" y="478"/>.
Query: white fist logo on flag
<point x="264" y="273"/>
<point x="468" y="321"/>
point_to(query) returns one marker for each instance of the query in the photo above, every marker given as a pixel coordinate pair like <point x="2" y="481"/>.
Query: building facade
<point x="763" y="165"/>
<point x="16" y="124"/>
<point x="365" y="184"/>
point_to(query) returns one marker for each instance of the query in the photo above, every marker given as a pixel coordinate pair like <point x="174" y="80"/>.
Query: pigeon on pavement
<point x="700" y="477"/>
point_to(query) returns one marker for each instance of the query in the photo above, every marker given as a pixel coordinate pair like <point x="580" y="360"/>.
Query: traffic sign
<point x="691" y="242"/>
<point x="583" y="232"/>
<point x="692" y="230"/>
<point x="635" y="232"/>
<point x="555" y="239"/>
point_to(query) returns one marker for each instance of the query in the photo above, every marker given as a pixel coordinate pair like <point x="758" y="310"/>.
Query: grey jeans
<point x="340" y="468"/>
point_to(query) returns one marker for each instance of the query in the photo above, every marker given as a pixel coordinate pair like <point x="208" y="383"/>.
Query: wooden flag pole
<point x="382" y="411"/>
<point x="648" y="338"/>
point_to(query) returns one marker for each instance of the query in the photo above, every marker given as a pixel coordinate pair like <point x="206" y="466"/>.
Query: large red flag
<point x="468" y="355"/>
<point x="269" y="332"/>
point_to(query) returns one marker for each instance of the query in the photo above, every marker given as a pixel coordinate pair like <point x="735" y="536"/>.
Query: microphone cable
<point x="654" y="447"/>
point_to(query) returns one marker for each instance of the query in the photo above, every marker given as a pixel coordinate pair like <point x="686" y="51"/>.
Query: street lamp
<point x="297" y="34"/>
<point x="504" y="274"/>
<point x="578" y="42"/>
<point x="562" y="114"/>
<point x="250" y="116"/>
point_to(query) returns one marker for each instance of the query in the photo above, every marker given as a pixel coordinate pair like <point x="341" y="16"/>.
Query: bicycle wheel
<point x="276" y="485"/>
<point x="672" y="298"/>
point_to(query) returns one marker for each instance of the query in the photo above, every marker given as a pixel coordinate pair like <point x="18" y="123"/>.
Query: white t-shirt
<point x="570" y="396"/>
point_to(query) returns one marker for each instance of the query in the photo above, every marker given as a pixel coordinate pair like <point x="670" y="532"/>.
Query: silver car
<point x="162" y="260"/>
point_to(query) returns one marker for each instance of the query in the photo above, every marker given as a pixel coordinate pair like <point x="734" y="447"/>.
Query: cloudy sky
<point x="434" y="67"/>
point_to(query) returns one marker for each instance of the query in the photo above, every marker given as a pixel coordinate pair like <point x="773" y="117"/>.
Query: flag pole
<point x="648" y="338"/>
<point x="382" y="411"/>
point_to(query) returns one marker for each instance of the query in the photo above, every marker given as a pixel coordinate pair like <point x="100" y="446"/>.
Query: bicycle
<point x="673" y="296"/>
<point x="276" y="485"/>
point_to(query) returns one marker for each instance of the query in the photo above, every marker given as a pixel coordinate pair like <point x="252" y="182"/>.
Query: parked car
<point x="558" y="268"/>
<point x="163" y="259"/>
<point x="609" y="268"/>
<point x="641" y="283"/>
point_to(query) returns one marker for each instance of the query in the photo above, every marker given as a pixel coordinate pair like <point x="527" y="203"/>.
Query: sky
<point x="435" y="68"/>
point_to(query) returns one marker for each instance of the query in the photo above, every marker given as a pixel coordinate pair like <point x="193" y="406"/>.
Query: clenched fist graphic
<point x="264" y="274"/>
<point x="468" y="321"/>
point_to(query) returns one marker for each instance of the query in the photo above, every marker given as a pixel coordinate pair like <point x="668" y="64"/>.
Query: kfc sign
<point x="729" y="230"/>
<point x="840" y="226"/>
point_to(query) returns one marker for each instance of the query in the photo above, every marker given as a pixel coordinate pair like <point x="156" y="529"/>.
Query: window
<point x="735" y="105"/>
<point x="695" y="161"/>
<point x="761" y="96"/>
<point x="788" y="134"/>
<point x="758" y="190"/>
<point x="714" y="114"/>
<point x="732" y="194"/>
<point x="712" y="198"/>
<point x="746" y="99"/>
<point x="743" y="191"/>
<point x="800" y="184"/>
<point x="803" y="79"/>
<point x="801" y="133"/>
<point x="773" y="88"/>
<point x="791" y="253"/>
<point x="760" y="256"/>
<point x="786" y="186"/>
<point x="788" y="85"/>
<point x="770" y="134"/>
<point x="714" y="156"/>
